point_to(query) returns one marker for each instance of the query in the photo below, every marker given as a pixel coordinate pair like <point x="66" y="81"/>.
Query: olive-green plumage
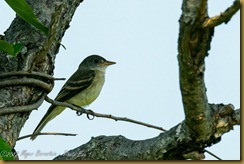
<point x="81" y="89"/>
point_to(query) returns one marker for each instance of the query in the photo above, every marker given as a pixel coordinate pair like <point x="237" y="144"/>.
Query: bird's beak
<point x="107" y="63"/>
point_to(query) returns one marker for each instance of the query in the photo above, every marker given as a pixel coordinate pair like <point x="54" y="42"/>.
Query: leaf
<point x="25" y="12"/>
<point x="5" y="151"/>
<point x="6" y="47"/>
<point x="12" y="49"/>
<point x="17" y="48"/>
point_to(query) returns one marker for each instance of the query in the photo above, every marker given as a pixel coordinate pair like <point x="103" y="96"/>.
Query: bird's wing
<point x="78" y="82"/>
<point x="52" y="112"/>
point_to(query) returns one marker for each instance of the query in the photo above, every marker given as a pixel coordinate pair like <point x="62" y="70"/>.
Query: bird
<point x="81" y="89"/>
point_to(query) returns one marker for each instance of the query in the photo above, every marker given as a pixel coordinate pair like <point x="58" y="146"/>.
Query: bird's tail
<point x="52" y="112"/>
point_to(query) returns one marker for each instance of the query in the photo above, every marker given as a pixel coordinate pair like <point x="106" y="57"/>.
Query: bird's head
<point x="96" y="62"/>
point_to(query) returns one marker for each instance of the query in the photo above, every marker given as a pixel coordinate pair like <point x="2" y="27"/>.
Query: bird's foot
<point x="87" y="111"/>
<point x="81" y="110"/>
<point x="79" y="113"/>
<point x="90" y="112"/>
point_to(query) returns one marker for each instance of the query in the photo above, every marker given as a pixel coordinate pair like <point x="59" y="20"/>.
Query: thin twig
<point x="25" y="73"/>
<point x="47" y="133"/>
<point x="58" y="103"/>
<point x="89" y="112"/>
<point x="26" y="81"/>
<point x="223" y="17"/>
<point x="124" y="119"/>
<point x="212" y="154"/>
<point x="24" y="108"/>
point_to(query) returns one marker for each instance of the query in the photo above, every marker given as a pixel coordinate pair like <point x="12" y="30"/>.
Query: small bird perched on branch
<point x="81" y="89"/>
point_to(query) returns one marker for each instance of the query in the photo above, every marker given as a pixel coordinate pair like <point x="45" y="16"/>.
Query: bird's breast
<point x="90" y="94"/>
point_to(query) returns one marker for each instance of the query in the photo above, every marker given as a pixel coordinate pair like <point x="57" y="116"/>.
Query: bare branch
<point x="193" y="46"/>
<point x="32" y="73"/>
<point x="89" y="112"/>
<point x="176" y="143"/>
<point x="47" y="133"/>
<point x="24" y="108"/>
<point x="212" y="154"/>
<point x="58" y="103"/>
<point x="125" y="119"/>
<point x="223" y="17"/>
<point x="26" y="81"/>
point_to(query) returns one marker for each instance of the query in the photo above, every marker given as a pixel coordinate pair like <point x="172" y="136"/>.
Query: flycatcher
<point x="81" y="89"/>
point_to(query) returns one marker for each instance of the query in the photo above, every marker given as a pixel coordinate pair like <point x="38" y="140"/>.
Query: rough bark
<point x="37" y="55"/>
<point x="204" y="123"/>
<point x="193" y="45"/>
<point x="174" y="144"/>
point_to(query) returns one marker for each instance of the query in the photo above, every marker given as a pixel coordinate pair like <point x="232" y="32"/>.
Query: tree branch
<point x="174" y="144"/>
<point x="125" y="119"/>
<point x="29" y="74"/>
<point x="47" y="133"/>
<point x="27" y="81"/>
<point x="193" y="46"/>
<point x="223" y="17"/>
<point x="89" y="112"/>
<point x="121" y="148"/>
<point x="215" y="156"/>
<point x="204" y="125"/>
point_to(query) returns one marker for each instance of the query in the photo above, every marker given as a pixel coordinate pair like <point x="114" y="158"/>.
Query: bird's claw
<point x="90" y="113"/>
<point x="79" y="113"/>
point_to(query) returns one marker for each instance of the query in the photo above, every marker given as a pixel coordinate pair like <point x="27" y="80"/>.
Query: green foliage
<point x="5" y="151"/>
<point x="12" y="49"/>
<point x="25" y="12"/>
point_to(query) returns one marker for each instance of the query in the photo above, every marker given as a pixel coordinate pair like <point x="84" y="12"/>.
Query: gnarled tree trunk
<point x="204" y="123"/>
<point x="38" y="55"/>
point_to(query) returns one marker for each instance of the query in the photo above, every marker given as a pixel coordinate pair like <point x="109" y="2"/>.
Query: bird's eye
<point x="96" y="61"/>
